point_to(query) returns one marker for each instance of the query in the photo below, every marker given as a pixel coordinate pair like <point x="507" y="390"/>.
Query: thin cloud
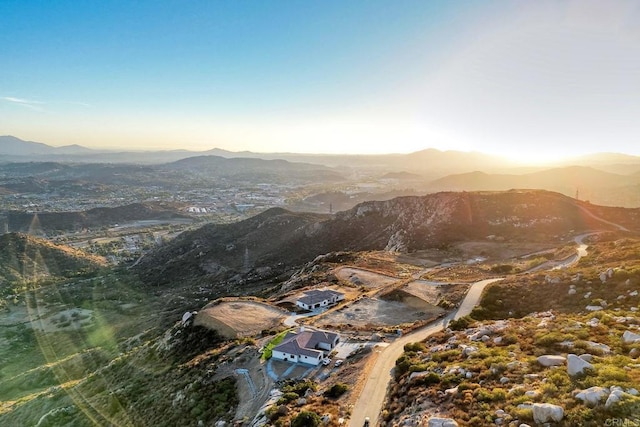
<point x="27" y="103"/>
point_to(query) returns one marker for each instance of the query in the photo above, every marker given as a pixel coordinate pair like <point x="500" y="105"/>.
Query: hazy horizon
<point x="530" y="81"/>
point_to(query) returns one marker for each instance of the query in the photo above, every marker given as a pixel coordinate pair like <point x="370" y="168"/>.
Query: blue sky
<point x="524" y="79"/>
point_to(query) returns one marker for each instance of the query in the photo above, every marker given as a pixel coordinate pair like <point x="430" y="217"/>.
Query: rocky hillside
<point x="559" y="348"/>
<point x="270" y="243"/>
<point x="24" y="257"/>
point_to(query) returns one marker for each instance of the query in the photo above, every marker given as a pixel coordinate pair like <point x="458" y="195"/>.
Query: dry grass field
<point x="234" y="319"/>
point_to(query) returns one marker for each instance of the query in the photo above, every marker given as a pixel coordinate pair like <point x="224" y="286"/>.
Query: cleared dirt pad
<point x="433" y="293"/>
<point x="365" y="278"/>
<point x="239" y="318"/>
<point x="369" y="312"/>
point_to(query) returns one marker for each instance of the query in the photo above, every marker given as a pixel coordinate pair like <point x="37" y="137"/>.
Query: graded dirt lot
<point x="432" y="292"/>
<point x="374" y="313"/>
<point x="368" y="279"/>
<point x="234" y="319"/>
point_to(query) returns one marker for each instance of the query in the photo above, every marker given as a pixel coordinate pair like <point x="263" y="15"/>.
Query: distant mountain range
<point x="587" y="183"/>
<point x="428" y="163"/>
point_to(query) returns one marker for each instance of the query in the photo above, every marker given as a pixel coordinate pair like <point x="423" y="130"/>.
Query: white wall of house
<point x="284" y="356"/>
<point x="332" y="300"/>
<point x="302" y="305"/>
<point x="278" y="355"/>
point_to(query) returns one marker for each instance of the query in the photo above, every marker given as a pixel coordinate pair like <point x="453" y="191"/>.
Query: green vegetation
<point x="336" y="390"/>
<point x="306" y="419"/>
<point x="268" y="349"/>
<point x="545" y="314"/>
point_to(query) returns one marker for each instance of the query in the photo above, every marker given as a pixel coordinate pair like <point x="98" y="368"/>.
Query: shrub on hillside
<point x="336" y="390"/>
<point x="306" y="419"/>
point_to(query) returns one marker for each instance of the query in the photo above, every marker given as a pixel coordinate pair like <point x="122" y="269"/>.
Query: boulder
<point x="593" y="308"/>
<point x="546" y="412"/>
<point x="513" y="365"/>
<point x="605" y="349"/>
<point x="477" y="336"/>
<point x="419" y="374"/>
<point x="629" y="337"/>
<point x="468" y="350"/>
<point x="576" y="366"/>
<point x="442" y="422"/>
<point x="592" y="395"/>
<point x="586" y="357"/>
<point x="593" y="322"/>
<point x="551" y="360"/>
<point x="452" y="391"/>
<point x="614" y="397"/>
<point x="531" y="393"/>
<point x="572" y="291"/>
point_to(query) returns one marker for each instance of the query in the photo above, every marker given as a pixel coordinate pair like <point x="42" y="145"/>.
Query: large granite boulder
<point x="546" y="412"/>
<point x="442" y="422"/>
<point x="576" y="365"/>
<point x="593" y="395"/>
<point x="630" y="337"/>
<point x="551" y="360"/>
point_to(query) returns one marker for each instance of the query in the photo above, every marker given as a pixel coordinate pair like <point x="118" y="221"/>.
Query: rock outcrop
<point x="576" y="365"/>
<point x="442" y="422"/>
<point x="551" y="360"/>
<point x="593" y="395"/>
<point x="546" y="412"/>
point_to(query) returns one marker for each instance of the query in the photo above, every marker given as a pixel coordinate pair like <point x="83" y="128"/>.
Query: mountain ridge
<point x="280" y="239"/>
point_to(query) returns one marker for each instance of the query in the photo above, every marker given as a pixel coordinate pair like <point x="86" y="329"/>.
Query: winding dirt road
<point x="375" y="389"/>
<point x="374" y="392"/>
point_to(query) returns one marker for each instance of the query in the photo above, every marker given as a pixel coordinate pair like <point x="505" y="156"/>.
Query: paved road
<point x="602" y="220"/>
<point x="375" y="389"/>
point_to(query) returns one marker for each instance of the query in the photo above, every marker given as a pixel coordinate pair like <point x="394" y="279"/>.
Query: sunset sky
<point x="525" y="79"/>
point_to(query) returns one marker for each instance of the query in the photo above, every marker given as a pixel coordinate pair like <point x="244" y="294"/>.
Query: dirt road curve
<point x="375" y="389"/>
<point x="372" y="397"/>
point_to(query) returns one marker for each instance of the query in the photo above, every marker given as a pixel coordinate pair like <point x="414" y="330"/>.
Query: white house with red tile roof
<point x="305" y="346"/>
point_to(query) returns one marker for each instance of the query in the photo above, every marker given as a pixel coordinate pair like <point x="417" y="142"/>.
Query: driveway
<point x="375" y="389"/>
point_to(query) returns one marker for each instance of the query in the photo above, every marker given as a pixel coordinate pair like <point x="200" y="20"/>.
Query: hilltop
<point x="93" y="218"/>
<point x="24" y="257"/>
